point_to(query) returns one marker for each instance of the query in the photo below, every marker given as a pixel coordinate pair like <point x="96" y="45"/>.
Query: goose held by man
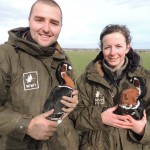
<point x="65" y="88"/>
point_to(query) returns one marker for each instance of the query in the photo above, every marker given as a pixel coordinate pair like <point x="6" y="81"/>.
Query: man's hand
<point x="69" y="102"/>
<point x="40" y="128"/>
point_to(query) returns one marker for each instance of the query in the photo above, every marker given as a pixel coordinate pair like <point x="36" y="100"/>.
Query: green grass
<point x="81" y="59"/>
<point x="145" y="59"/>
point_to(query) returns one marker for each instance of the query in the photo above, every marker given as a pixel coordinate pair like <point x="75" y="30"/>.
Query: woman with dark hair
<point x="113" y="110"/>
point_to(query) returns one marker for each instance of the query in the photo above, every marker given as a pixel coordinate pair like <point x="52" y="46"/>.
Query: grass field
<point x="80" y="59"/>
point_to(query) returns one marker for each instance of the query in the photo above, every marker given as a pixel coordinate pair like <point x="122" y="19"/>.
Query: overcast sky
<point x="83" y="20"/>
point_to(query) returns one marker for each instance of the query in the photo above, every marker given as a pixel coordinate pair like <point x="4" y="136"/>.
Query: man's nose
<point x="46" y="27"/>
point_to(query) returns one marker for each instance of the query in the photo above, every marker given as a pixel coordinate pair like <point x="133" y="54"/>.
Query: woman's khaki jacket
<point x="87" y="115"/>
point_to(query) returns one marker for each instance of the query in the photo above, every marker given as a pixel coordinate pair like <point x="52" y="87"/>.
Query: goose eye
<point x="70" y="67"/>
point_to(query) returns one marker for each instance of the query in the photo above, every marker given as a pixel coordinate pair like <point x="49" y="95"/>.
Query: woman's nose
<point x="113" y="50"/>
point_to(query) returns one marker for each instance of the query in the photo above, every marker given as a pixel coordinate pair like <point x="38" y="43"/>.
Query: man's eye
<point x="39" y="20"/>
<point x="56" y="23"/>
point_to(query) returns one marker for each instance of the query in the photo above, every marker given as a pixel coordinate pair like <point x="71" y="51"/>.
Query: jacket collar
<point x="134" y="59"/>
<point x="18" y="38"/>
<point x="95" y="71"/>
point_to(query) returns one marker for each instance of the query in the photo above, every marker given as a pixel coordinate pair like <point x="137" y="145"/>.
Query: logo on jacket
<point x="30" y="80"/>
<point x="99" y="98"/>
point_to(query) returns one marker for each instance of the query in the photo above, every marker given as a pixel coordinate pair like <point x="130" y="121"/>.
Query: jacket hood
<point x="16" y="39"/>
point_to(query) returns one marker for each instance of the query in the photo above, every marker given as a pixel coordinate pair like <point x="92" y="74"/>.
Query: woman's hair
<point x="48" y="2"/>
<point x="112" y="28"/>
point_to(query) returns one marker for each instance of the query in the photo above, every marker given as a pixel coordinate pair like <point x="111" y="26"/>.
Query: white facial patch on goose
<point x="130" y="107"/>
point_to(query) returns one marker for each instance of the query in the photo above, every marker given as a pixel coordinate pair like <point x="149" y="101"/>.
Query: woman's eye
<point x="118" y="46"/>
<point x="106" y="48"/>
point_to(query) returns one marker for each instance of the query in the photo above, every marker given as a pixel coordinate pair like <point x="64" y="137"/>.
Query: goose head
<point x="62" y="75"/>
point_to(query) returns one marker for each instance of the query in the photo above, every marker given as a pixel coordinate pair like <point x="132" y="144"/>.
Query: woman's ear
<point x="128" y="48"/>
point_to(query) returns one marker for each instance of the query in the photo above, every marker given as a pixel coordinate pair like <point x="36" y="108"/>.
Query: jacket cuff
<point x="145" y="138"/>
<point x="146" y="135"/>
<point x="21" y="128"/>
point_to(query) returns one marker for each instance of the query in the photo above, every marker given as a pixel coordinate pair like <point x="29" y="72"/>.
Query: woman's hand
<point x="138" y="125"/>
<point x="123" y="121"/>
<point x="118" y="121"/>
